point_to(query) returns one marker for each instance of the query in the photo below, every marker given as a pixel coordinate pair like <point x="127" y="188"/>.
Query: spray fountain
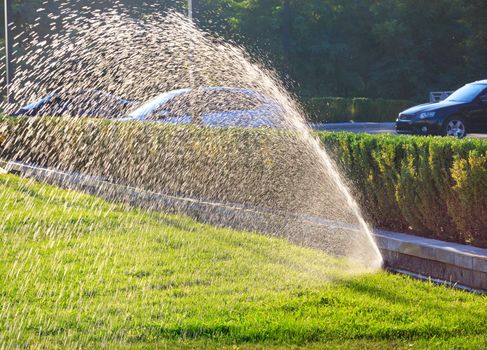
<point x="281" y="170"/>
<point x="275" y="180"/>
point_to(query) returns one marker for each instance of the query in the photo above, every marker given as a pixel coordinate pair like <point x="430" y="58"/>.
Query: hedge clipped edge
<point x="432" y="186"/>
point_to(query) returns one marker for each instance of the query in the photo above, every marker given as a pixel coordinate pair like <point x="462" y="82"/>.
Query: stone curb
<point x="460" y="255"/>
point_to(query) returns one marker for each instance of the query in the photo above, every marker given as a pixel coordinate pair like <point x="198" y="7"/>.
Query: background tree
<point x="372" y="48"/>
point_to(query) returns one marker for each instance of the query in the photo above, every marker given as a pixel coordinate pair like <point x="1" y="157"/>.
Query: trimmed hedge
<point x="262" y="167"/>
<point x="435" y="187"/>
<point x="339" y="109"/>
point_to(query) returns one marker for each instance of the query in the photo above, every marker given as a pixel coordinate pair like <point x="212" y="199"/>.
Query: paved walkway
<point x="370" y="128"/>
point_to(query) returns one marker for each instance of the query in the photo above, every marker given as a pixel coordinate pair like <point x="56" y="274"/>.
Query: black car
<point x="462" y="112"/>
<point x="79" y="103"/>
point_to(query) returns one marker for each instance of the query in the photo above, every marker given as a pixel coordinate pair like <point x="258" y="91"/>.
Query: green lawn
<point x="78" y="272"/>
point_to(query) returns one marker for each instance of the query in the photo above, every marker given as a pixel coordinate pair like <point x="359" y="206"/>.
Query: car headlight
<point x="425" y="115"/>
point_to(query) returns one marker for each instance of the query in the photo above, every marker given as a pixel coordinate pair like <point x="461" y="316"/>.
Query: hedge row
<point x="339" y="109"/>
<point x="435" y="187"/>
<point x="431" y="186"/>
<point x="262" y="167"/>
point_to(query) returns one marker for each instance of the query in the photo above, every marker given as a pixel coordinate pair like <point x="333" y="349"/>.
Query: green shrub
<point x="262" y="167"/>
<point x="429" y="185"/>
<point x="470" y="204"/>
<point x="432" y="186"/>
<point x="339" y="109"/>
<point x="328" y="109"/>
<point x="377" y="110"/>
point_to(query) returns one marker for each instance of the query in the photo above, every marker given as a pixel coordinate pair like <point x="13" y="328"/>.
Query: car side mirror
<point x="483" y="99"/>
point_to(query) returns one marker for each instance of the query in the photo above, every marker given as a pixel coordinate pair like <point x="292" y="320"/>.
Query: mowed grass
<point x="78" y="272"/>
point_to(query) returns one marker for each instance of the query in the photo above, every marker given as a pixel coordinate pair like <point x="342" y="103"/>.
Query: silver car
<point x="211" y="107"/>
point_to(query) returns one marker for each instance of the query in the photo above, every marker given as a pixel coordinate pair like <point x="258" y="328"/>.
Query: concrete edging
<point x="459" y="265"/>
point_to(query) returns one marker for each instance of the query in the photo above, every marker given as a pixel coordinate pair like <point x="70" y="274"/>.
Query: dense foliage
<point x="341" y="109"/>
<point x="259" y="167"/>
<point x="398" y="49"/>
<point x="429" y="185"/>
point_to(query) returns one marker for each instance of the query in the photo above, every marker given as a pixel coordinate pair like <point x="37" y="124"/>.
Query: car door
<point x="476" y="113"/>
<point x="482" y="112"/>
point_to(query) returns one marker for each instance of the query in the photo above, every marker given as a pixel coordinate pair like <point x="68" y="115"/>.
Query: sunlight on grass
<point x="76" y="271"/>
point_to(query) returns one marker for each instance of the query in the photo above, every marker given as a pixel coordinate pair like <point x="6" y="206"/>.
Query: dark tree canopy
<point x="372" y="48"/>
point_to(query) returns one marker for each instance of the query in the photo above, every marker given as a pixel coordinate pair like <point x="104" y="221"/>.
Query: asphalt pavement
<point x="369" y="128"/>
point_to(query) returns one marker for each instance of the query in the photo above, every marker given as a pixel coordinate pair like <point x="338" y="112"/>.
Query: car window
<point x="467" y="93"/>
<point x="216" y="101"/>
<point x="96" y="104"/>
<point x="178" y="106"/>
<point x="54" y="106"/>
<point x="201" y="102"/>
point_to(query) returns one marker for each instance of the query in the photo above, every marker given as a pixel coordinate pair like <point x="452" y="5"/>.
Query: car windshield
<point x="202" y="102"/>
<point x="467" y="93"/>
<point x="181" y="103"/>
<point x="151" y="106"/>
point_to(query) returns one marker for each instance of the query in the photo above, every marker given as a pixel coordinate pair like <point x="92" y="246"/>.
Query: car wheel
<point x="455" y="127"/>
